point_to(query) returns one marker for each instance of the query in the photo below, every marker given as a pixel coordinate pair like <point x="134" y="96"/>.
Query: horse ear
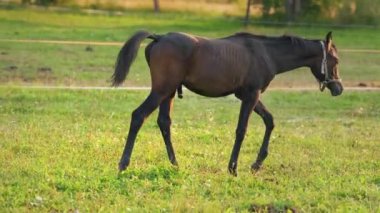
<point x="329" y="40"/>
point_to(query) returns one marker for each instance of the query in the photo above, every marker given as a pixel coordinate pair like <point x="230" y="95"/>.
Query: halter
<point x="324" y="70"/>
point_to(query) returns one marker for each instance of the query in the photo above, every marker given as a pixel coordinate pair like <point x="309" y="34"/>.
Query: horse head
<point x="326" y="70"/>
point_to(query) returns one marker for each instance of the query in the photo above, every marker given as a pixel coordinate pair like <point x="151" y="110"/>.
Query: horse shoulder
<point x="261" y="70"/>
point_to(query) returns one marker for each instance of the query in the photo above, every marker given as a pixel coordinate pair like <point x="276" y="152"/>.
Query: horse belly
<point x="216" y="77"/>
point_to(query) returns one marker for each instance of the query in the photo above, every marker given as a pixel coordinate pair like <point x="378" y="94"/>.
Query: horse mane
<point x="294" y="40"/>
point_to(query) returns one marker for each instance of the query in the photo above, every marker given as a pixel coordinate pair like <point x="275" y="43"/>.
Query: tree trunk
<point x="156" y="6"/>
<point x="290" y="9"/>
<point x="297" y="7"/>
<point x="293" y="8"/>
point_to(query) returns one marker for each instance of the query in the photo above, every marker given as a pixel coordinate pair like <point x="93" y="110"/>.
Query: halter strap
<point x="324" y="70"/>
<point x="324" y="60"/>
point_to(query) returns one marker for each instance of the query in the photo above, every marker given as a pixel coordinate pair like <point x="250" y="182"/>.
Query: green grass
<point x="59" y="151"/>
<point x="73" y="65"/>
<point x="70" y="64"/>
<point x="45" y="24"/>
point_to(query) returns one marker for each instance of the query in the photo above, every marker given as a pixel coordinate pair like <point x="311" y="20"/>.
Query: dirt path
<point x="98" y="43"/>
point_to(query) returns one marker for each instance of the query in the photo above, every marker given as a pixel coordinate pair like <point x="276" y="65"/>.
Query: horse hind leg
<point x="167" y="72"/>
<point x="138" y="116"/>
<point x="164" y="122"/>
<point x="269" y="125"/>
<point x="162" y="88"/>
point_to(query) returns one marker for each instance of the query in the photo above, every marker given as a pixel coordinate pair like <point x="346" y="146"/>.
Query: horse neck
<point x="288" y="55"/>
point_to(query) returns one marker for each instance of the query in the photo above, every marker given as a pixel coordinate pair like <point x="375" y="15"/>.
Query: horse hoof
<point x="232" y="167"/>
<point x="232" y="172"/>
<point x="123" y="166"/>
<point x="256" y="167"/>
<point x="174" y="163"/>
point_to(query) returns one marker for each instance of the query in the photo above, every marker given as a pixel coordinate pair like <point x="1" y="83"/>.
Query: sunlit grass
<point x="59" y="148"/>
<point x="59" y="151"/>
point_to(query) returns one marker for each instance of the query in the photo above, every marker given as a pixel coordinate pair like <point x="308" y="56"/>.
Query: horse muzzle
<point x="335" y="87"/>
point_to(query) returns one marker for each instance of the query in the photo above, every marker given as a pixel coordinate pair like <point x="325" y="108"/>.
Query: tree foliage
<point x="42" y="2"/>
<point x="338" y="11"/>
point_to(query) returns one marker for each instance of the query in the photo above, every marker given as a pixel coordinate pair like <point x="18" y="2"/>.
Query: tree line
<point x="332" y="11"/>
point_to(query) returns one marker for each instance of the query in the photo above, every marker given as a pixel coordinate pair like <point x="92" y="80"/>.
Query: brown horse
<point x="242" y="64"/>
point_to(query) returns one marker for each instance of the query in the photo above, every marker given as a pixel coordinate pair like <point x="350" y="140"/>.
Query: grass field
<point x="60" y="148"/>
<point x="94" y="68"/>
<point x="45" y="24"/>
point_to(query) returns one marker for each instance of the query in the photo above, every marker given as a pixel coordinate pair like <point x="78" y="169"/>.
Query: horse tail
<point x="127" y="55"/>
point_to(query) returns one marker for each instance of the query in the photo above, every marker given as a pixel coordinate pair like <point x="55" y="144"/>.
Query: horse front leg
<point x="138" y="117"/>
<point x="164" y="122"/>
<point x="269" y="125"/>
<point x="248" y="103"/>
